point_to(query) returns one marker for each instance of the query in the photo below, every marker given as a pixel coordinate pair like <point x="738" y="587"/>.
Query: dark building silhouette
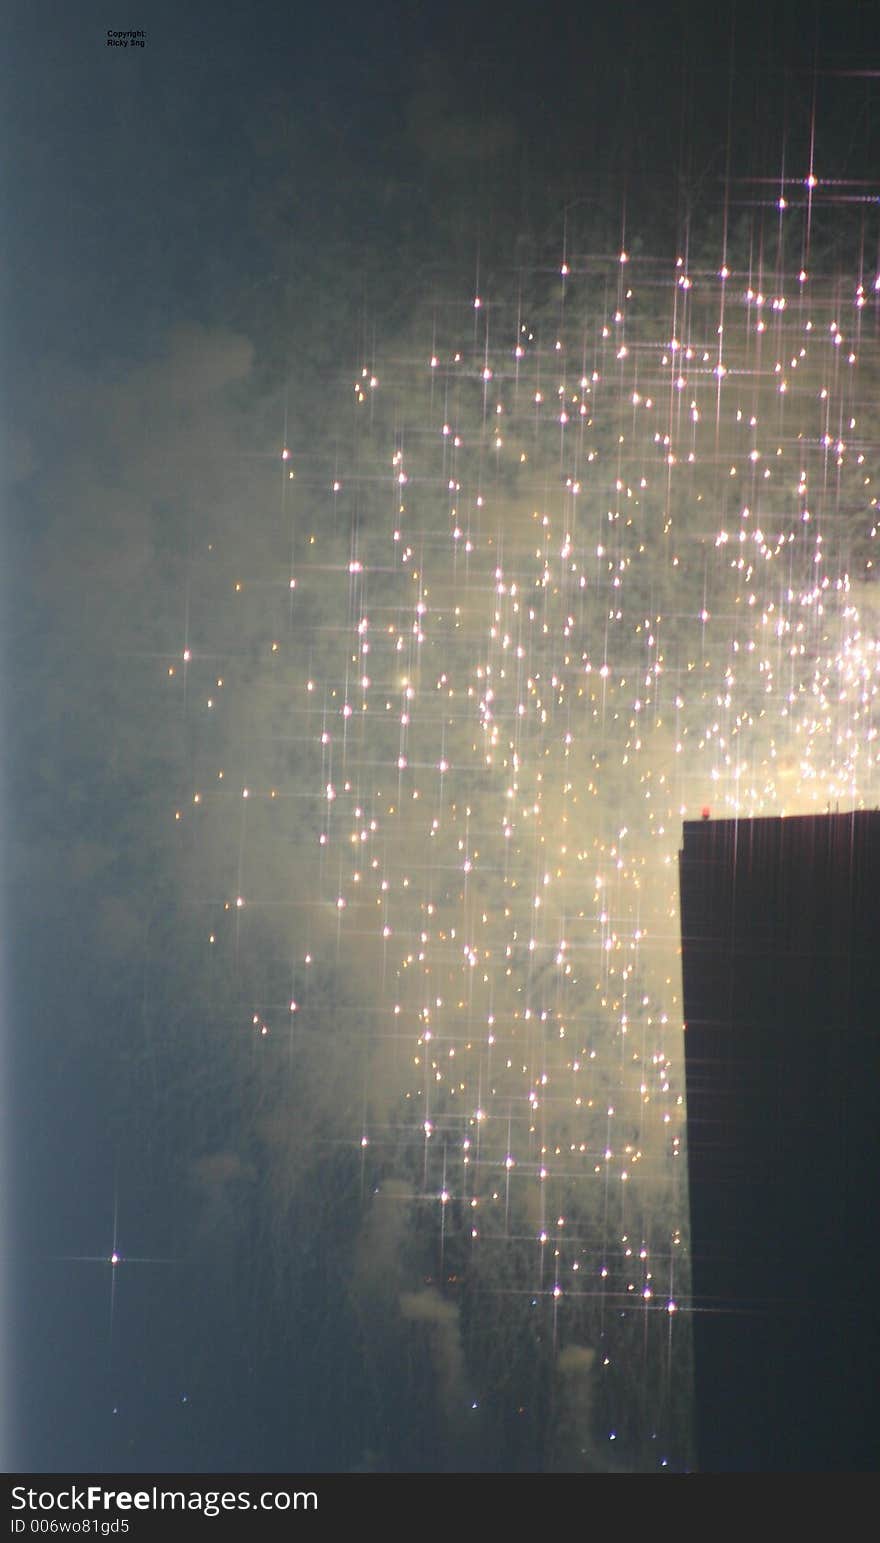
<point x="781" y="968"/>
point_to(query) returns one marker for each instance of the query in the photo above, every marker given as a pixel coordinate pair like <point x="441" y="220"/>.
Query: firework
<point x="560" y="574"/>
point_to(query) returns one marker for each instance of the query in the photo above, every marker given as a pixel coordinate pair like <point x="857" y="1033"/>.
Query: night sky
<point x="439" y="455"/>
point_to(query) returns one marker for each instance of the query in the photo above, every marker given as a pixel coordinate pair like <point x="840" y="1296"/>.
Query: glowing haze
<point x="576" y="558"/>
